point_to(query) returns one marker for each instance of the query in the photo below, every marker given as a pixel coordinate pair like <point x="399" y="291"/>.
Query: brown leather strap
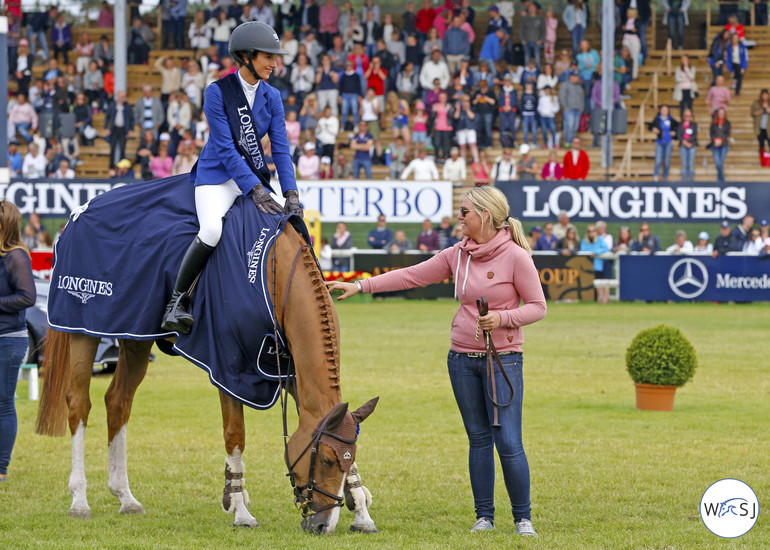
<point x="231" y="475"/>
<point x="493" y="357"/>
<point x="231" y="489"/>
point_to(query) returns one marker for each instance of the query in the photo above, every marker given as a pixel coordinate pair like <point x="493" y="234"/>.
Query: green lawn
<point x="604" y="475"/>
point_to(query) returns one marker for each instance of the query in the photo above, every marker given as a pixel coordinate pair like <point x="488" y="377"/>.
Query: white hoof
<point x="368" y="527"/>
<point x="246" y="520"/>
<point x="80" y="513"/>
<point x="134" y="508"/>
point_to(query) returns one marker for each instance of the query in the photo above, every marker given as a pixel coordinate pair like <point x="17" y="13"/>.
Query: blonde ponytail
<point x="518" y="235"/>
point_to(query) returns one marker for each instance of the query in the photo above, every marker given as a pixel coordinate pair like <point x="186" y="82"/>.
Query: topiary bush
<point x="661" y="356"/>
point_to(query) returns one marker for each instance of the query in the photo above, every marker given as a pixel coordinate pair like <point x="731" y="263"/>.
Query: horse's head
<point x="318" y="461"/>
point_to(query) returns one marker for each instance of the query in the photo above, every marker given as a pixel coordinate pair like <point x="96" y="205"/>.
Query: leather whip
<point x="492" y="358"/>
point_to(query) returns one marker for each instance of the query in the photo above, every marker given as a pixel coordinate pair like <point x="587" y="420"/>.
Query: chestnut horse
<point x="311" y="328"/>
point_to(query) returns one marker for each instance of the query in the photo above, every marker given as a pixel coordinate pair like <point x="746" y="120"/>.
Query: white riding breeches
<point x="211" y="204"/>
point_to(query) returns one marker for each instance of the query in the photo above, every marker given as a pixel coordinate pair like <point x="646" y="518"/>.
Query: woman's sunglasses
<point x="464" y="211"/>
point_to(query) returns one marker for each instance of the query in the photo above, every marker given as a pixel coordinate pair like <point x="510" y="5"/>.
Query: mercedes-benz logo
<point x="688" y="278"/>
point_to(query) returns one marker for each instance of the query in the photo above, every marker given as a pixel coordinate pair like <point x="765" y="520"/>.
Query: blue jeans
<point x="508" y="127"/>
<point x="546" y="125"/>
<point x="571" y="125"/>
<point x="663" y="154"/>
<point x="688" y="162"/>
<point x="12" y="352"/>
<point x="719" y="154"/>
<point x="532" y="49"/>
<point x="469" y="383"/>
<point x="577" y="32"/>
<point x="643" y="39"/>
<point x="529" y="124"/>
<point x="487" y="119"/>
<point x="350" y="105"/>
<point x="23" y="128"/>
<point x="40" y="40"/>
<point x="676" y="29"/>
<point x="365" y="164"/>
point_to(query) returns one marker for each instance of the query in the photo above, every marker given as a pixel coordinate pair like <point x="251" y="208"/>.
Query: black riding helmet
<point x="252" y="37"/>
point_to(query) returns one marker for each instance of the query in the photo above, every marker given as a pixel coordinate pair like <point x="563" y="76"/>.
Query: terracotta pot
<point x="655" y="398"/>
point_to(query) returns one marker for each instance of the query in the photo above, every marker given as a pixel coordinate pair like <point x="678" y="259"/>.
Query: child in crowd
<point x="530" y="72"/>
<point x="551" y="24"/>
<point x="529" y="112"/>
<point x="293" y="128"/>
<point x="547" y="107"/>
<point x="400" y="124"/>
<point x="398" y="155"/>
<point x="419" y="128"/>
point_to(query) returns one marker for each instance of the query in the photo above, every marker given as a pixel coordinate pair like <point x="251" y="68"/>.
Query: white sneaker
<point x="483" y="524"/>
<point x="524" y="528"/>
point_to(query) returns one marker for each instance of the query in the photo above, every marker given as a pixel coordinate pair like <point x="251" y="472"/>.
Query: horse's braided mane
<point x="327" y="318"/>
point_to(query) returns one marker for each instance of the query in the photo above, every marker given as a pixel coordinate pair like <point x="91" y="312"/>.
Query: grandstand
<point x="633" y="152"/>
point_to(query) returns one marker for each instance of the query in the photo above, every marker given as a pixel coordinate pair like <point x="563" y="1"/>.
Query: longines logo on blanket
<point x="83" y="288"/>
<point x="729" y="508"/>
<point x="249" y="140"/>
<point x="255" y="254"/>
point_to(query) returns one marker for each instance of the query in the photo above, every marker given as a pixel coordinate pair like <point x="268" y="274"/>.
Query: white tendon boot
<point x="359" y="499"/>
<point x="235" y="498"/>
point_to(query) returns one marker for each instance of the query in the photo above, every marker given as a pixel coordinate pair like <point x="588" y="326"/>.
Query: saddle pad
<point x="116" y="261"/>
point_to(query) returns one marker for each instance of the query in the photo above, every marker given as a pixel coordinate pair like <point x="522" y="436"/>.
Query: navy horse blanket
<point x="115" y="265"/>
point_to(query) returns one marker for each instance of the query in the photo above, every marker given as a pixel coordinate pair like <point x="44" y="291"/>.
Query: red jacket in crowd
<point x="576" y="170"/>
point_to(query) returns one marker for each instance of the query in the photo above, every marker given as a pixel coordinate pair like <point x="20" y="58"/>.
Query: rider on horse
<point x="240" y="110"/>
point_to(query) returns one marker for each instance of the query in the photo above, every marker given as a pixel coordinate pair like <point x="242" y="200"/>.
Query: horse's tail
<point x="52" y="412"/>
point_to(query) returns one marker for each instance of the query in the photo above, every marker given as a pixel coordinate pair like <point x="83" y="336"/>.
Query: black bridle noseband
<point x="302" y="493"/>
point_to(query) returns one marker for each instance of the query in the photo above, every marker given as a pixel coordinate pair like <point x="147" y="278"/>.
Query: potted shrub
<point x="659" y="360"/>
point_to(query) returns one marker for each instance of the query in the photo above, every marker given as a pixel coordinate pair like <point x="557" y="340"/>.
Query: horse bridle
<point x="303" y="500"/>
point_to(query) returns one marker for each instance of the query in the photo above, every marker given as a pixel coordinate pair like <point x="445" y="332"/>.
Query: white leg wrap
<point x="236" y="499"/>
<point x="362" y="500"/>
<point x="118" y="477"/>
<point x="77" y="483"/>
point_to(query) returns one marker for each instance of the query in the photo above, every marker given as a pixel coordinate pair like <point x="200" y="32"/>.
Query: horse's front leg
<point x="235" y="498"/>
<point x="82" y="353"/>
<point x="358" y="499"/>
<point x="132" y="366"/>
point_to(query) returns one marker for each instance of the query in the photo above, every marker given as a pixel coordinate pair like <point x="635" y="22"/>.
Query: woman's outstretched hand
<point x="348" y="289"/>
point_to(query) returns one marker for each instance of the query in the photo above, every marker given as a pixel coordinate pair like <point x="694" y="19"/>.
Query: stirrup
<point x="176" y="317"/>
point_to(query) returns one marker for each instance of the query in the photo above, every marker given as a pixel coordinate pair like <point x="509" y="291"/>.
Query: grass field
<point x="604" y="475"/>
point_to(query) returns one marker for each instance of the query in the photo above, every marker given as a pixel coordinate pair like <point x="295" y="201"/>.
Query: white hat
<point x="523" y="149"/>
<point x="309" y="146"/>
<point x="703" y="236"/>
<point x="165" y="136"/>
<point x="326" y="160"/>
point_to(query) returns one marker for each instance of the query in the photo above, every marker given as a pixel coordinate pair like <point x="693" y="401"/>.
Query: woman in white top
<point x="547" y="78"/>
<point x="302" y="78"/>
<point x="221" y="28"/>
<point x="199" y="33"/>
<point x="686" y="87"/>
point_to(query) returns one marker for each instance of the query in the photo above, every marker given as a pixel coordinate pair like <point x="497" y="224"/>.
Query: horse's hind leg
<point x="358" y="499"/>
<point x="132" y="366"/>
<point x="235" y="498"/>
<point x="82" y="353"/>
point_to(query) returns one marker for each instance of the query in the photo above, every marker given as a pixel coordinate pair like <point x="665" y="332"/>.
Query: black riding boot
<point x="176" y="318"/>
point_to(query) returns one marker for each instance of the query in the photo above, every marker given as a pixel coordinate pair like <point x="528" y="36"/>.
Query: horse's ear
<point x="363" y="412"/>
<point x="336" y="416"/>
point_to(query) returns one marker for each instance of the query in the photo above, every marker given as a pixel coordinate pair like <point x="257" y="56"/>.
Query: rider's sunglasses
<point x="464" y="211"/>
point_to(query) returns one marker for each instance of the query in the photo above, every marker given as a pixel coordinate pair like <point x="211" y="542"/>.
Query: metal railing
<point x="639" y="133"/>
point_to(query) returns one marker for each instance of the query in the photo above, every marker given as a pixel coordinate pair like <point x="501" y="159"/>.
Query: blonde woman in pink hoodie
<point x="492" y="260"/>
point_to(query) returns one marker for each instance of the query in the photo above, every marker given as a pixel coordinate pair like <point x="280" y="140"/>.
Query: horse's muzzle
<point x="320" y="524"/>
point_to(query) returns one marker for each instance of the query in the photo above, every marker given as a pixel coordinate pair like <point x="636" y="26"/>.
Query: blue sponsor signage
<point x="695" y="278"/>
<point x="618" y="201"/>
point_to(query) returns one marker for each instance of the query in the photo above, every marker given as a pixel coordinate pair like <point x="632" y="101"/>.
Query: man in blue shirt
<point x="362" y="144"/>
<point x="491" y="48"/>
<point x="380" y="235"/>
<point x="15" y="160"/>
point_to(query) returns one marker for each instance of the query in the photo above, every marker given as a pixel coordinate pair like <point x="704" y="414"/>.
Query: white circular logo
<point x="688" y="278"/>
<point x="729" y="508"/>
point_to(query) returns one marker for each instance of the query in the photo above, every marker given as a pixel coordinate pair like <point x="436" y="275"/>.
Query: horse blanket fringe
<point x="115" y="265"/>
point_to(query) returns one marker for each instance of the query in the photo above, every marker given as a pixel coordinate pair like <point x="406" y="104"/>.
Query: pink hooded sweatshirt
<point x="500" y="270"/>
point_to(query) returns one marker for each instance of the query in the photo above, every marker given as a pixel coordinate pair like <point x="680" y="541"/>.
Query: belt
<point x="475" y="355"/>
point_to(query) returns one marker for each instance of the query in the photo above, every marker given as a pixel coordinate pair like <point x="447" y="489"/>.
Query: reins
<point x="492" y="358"/>
<point x="283" y="391"/>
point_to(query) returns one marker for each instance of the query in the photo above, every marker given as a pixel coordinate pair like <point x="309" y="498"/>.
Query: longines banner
<point x="563" y="277"/>
<point x="54" y="198"/>
<point x="695" y="278"/>
<point x="588" y="201"/>
<point x="365" y="200"/>
<point x="337" y="200"/>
